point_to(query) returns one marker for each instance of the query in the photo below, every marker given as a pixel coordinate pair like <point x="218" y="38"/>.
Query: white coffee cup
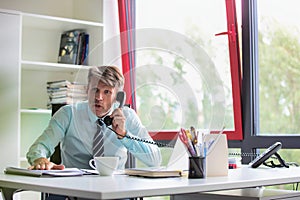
<point x="104" y="165"/>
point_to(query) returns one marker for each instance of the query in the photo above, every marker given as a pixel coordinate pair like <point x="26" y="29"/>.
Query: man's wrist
<point x="121" y="136"/>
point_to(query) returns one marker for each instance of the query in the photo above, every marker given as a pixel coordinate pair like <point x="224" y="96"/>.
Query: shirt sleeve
<point x="147" y="152"/>
<point x="45" y="144"/>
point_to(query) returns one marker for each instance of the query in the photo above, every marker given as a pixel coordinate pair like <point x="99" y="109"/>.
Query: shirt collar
<point x="94" y="117"/>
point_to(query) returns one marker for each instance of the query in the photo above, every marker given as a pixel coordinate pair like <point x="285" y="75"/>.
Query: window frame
<point x="234" y="55"/>
<point x="235" y="69"/>
<point x="250" y="95"/>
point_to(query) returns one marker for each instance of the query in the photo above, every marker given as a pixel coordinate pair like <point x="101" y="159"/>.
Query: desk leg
<point x="7" y="193"/>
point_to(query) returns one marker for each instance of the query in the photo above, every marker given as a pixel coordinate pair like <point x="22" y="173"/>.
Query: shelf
<point x="36" y="65"/>
<point x="59" y="23"/>
<point x="35" y="55"/>
<point x="36" y="111"/>
<point x="32" y="30"/>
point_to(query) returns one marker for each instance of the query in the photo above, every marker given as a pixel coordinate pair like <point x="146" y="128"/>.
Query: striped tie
<point x="98" y="147"/>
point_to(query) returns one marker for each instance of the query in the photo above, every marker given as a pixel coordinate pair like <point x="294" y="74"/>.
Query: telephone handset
<point x="272" y="150"/>
<point x="121" y="97"/>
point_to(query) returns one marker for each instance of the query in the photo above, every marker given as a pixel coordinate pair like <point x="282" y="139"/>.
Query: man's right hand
<point x="44" y="163"/>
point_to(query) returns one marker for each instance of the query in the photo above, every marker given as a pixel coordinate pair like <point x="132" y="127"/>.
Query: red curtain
<point x="127" y="37"/>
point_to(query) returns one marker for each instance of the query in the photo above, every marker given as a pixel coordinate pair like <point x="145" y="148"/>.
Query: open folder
<point x="38" y="173"/>
<point x="177" y="163"/>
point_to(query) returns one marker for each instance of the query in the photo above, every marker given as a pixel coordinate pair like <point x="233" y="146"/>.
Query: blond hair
<point x="109" y="75"/>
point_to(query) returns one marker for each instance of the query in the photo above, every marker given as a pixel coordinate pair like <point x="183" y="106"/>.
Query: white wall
<point x="112" y="48"/>
<point x="9" y="89"/>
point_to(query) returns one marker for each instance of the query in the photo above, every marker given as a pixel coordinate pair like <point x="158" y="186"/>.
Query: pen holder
<point x="217" y="155"/>
<point x="197" y="167"/>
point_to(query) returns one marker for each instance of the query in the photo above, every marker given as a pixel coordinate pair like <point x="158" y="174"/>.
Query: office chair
<point x="55" y="157"/>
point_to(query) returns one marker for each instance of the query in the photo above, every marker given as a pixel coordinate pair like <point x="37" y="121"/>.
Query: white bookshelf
<point x="35" y="29"/>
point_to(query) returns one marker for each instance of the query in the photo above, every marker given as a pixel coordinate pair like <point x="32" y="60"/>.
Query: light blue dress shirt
<point x="74" y="126"/>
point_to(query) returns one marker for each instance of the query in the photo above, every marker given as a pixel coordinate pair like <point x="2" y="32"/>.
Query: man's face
<point x="100" y="97"/>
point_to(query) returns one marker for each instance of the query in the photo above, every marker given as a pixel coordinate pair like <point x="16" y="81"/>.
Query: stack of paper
<point x="66" y="92"/>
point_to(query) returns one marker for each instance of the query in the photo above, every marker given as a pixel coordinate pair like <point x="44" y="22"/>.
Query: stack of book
<point x="74" y="47"/>
<point x="65" y="92"/>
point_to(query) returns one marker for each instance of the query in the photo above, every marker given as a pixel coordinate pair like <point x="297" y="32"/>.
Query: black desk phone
<point x="272" y="150"/>
<point x="121" y="97"/>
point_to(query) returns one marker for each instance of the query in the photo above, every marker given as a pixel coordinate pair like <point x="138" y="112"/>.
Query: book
<point x="80" y="48"/>
<point x="67" y="92"/>
<point x="73" y="48"/>
<point x="153" y="172"/>
<point x="66" y="100"/>
<point x="55" y="85"/>
<point x="69" y="46"/>
<point x="68" y="95"/>
<point x="83" y="49"/>
<point x="85" y="52"/>
<point x="39" y="173"/>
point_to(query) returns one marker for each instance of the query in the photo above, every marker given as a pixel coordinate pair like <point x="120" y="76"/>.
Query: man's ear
<point x="87" y="88"/>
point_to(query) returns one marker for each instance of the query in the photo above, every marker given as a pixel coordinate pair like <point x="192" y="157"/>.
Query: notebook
<point x="178" y="162"/>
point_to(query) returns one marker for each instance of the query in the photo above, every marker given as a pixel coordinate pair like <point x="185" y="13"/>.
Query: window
<point x="183" y="69"/>
<point x="279" y="70"/>
<point x="268" y="47"/>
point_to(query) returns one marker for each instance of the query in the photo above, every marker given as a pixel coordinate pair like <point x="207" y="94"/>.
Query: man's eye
<point x="107" y="92"/>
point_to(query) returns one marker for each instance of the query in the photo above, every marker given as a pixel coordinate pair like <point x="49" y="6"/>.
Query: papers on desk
<point x="37" y="173"/>
<point x="153" y="172"/>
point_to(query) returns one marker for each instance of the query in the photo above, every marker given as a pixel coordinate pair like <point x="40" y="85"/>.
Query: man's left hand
<point x="118" y="123"/>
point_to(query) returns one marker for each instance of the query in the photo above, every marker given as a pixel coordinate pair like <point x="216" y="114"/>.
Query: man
<point x="74" y="127"/>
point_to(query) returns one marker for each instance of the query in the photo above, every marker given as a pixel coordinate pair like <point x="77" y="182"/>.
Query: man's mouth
<point x="98" y="106"/>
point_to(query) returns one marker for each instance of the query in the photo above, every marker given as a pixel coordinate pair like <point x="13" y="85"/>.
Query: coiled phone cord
<point x="159" y="144"/>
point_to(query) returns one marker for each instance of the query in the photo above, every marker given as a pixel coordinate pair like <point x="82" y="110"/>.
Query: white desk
<point x="122" y="186"/>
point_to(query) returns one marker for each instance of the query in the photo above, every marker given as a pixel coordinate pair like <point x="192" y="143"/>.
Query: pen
<point x="187" y="142"/>
<point x="191" y="140"/>
<point x="211" y="141"/>
<point x="194" y="135"/>
<point x="204" y="149"/>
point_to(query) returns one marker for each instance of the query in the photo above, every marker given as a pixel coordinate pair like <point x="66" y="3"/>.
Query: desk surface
<point x="122" y="186"/>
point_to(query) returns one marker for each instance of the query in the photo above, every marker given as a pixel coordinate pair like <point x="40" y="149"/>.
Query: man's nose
<point x="99" y="95"/>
